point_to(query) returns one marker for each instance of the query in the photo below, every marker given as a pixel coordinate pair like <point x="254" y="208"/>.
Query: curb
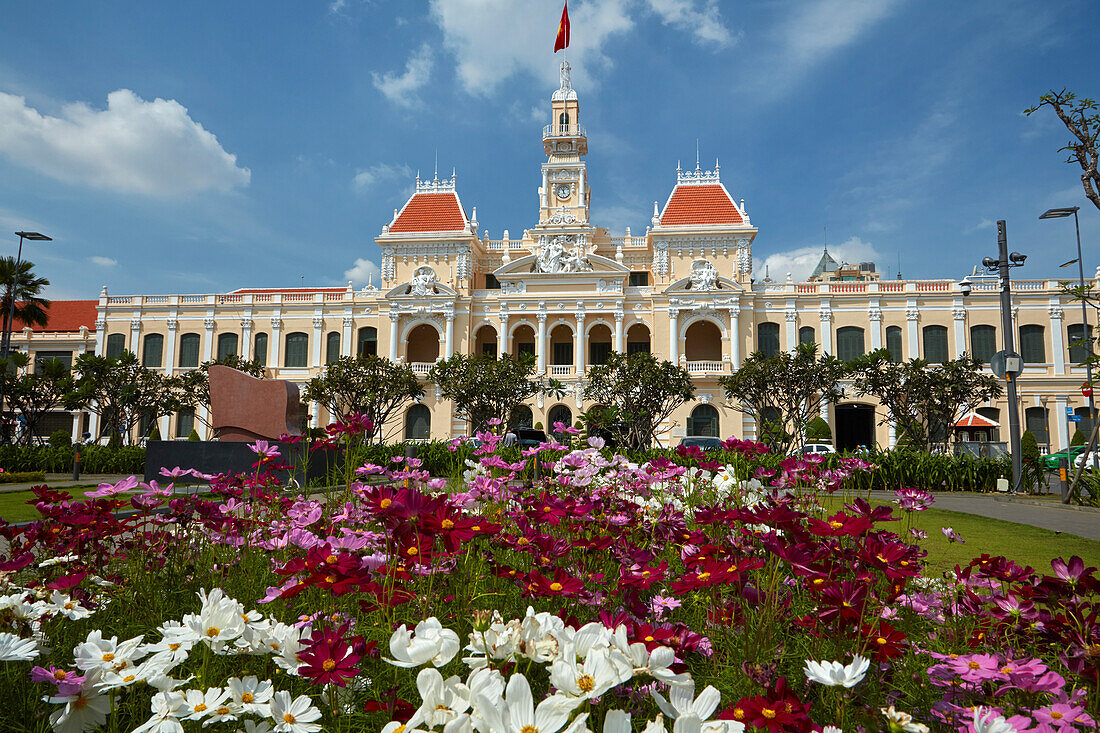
<point x="1051" y="505"/>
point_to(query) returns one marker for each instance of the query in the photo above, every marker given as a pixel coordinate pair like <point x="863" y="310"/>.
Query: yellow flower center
<point x="880" y="641"/>
<point x="767" y="713"/>
<point x="738" y="713"/>
<point x="385" y="503"/>
<point x="835" y="524"/>
<point x="328" y="665"/>
<point x="247" y="697"/>
<point x="973" y="665"/>
<point x="80" y="703"/>
<point x="213" y="631"/>
<point x="704" y="575"/>
<point x="289" y="719"/>
<point x="586" y="683"/>
<point x="173" y="647"/>
<point x="223" y="711"/>
<point x="555" y="586"/>
<point x="128" y="678"/>
<point x="1006" y="669"/>
<point x="528" y="729"/>
<point x="447" y="524"/>
<point x="476" y="528"/>
<point x="331" y="559"/>
<point x="108" y="657"/>
<point x="200" y="707"/>
<point x="60" y="674"/>
<point x="414" y="551"/>
<point x="1056" y="715"/>
<point x="331" y="578"/>
<point x="649" y="638"/>
<point x="69" y="606"/>
<point x="274" y="645"/>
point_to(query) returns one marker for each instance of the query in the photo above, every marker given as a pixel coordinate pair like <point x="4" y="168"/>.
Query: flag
<point x="562" y="40"/>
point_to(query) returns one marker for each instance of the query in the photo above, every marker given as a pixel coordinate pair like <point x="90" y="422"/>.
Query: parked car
<point x="1054" y="460"/>
<point x="1085" y="458"/>
<point x="529" y="437"/>
<point x="701" y="443"/>
<point x="817" y="448"/>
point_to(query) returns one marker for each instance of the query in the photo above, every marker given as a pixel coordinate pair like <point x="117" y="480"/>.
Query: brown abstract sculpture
<point x="244" y="408"/>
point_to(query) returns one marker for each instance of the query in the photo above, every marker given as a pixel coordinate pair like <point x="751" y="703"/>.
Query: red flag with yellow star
<point x="562" y="40"/>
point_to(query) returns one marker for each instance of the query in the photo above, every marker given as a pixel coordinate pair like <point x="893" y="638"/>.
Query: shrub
<point x="818" y="431"/>
<point x="194" y="435"/>
<point x="1078" y="438"/>
<point x="1029" y="447"/>
<point x="154" y="434"/>
<point x="60" y="438"/>
<point x="22" y="477"/>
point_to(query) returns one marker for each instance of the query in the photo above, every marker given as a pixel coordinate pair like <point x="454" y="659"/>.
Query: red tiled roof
<point x="65" y="316"/>
<point x="695" y="204"/>
<point x="430" y="212"/>
<point x="973" y="420"/>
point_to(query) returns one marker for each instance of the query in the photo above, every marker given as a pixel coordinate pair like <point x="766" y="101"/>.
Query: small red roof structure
<point x="695" y="204"/>
<point x="974" y="420"/>
<point x="65" y="316"/>
<point x="431" y="212"/>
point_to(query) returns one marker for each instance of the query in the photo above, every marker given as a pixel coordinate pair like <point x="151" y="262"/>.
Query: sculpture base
<point x="213" y="457"/>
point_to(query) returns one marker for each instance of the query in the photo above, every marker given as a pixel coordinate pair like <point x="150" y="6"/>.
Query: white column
<point x="1056" y="342"/>
<point x="246" y="336"/>
<point x="208" y="342"/>
<point x="315" y="413"/>
<point x="163" y="423"/>
<point x="620" y="333"/>
<point x="393" y="336"/>
<point x="674" y="335"/>
<point x="826" y="330"/>
<point x="100" y="336"/>
<point x="135" y="335"/>
<point x="170" y="350"/>
<point x="893" y="437"/>
<point x="792" y="327"/>
<point x="874" y="315"/>
<point x="912" y="314"/>
<point x="78" y="421"/>
<point x="541" y="348"/>
<point x="201" y="419"/>
<point x="1062" y="431"/>
<point x="545" y="192"/>
<point x="735" y="338"/>
<point x="318" y="342"/>
<point x="346" y="344"/>
<point x="959" y="314"/>
<point x="449" y="337"/>
<point x="504" y="344"/>
<point x="578" y="345"/>
<point x="276" y="343"/>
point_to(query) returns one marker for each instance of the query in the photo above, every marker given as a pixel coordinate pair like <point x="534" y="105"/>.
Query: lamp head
<point x="1016" y="258"/>
<point x="1059" y="213"/>
<point x="965" y="286"/>
<point x="33" y="236"/>
<point x="989" y="262"/>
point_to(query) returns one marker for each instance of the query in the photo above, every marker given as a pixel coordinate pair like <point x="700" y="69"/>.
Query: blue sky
<point x="205" y="146"/>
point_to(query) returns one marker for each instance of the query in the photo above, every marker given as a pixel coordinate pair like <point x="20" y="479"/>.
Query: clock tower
<point x="564" y="195"/>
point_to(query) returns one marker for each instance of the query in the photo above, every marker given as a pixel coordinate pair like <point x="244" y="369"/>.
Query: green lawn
<point x="14" y="506"/>
<point x="1021" y="543"/>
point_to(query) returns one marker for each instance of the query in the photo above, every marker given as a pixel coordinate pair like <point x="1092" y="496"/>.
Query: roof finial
<point x="696" y="153"/>
<point x="436" y="178"/>
<point x="826" y="239"/>
<point x="677" y="166"/>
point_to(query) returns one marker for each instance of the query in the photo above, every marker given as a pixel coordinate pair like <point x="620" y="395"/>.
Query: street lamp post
<point x="1000" y="266"/>
<point x="5" y="342"/>
<point x="1061" y="214"/>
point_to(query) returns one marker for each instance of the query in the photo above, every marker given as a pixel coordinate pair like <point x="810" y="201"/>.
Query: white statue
<point x="564" y="73"/>
<point x="553" y="257"/>
<point x="703" y="276"/>
<point x="423" y="282"/>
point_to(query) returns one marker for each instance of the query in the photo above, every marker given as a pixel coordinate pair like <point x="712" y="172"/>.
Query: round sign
<point x="1086" y="389"/>
<point x="1005" y="362"/>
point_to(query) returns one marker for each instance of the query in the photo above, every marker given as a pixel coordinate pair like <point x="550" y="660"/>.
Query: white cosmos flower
<point x="443" y="700"/>
<point x="430" y="642"/>
<point x="84" y="710"/>
<point x="831" y="729"/>
<point x="217" y="623"/>
<point x="62" y="604"/>
<point x="987" y="721"/>
<point x="57" y="560"/>
<point x="201" y="703"/>
<point x="106" y="654"/>
<point x="540" y="636"/>
<point x="902" y="721"/>
<point x="294" y="716"/>
<point x="251" y="695"/>
<point x="657" y="664"/>
<point x="17" y="649"/>
<point x="517" y="712"/>
<point x="616" y="721"/>
<point x="682" y="701"/>
<point x="600" y="671"/>
<point x="168" y="708"/>
<point x="835" y="674"/>
<point x="285" y="642"/>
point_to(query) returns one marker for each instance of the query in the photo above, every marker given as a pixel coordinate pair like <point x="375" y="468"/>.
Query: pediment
<point x="719" y="286"/>
<point x="423" y="284"/>
<point x="527" y="267"/>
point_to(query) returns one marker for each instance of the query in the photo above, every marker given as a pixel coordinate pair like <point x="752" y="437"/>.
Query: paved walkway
<point x="1052" y="515"/>
<point x="61" y="480"/>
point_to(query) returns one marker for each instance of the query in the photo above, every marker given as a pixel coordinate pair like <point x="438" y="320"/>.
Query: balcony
<point x="706" y="367"/>
<point x="551" y="131"/>
<point x="561" y="370"/>
<point x="421" y="367"/>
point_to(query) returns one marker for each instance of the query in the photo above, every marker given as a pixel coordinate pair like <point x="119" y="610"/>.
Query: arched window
<point x="1036" y="421"/>
<point x="227" y="345"/>
<point x="116" y="344"/>
<point x="189" y="351"/>
<point x="1032" y="347"/>
<point x="992" y="413"/>
<point x="806" y="335"/>
<point x="332" y="346"/>
<point x="893" y="343"/>
<point x="1079" y="346"/>
<point x="637" y="339"/>
<point x="368" y="341"/>
<point x="1085" y="426"/>
<point x="522" y="417"/>
<point x="849" y="343"/>
<point x="297" y="350"/>
<point x="703" y="422"/>
<point x="152" y="350"/>
<point x="185" y="422"/>
<point x="259" y="350"/>
<point x="767" y="338"/>
<point x="418" y="423"/>
<point x="599" y="344"/>
<point x="563" y="122"/>
<point x="983" y="342"/>
<point x="935" y="344"/>
<point x="562" y="414"/>
<point x="703" y="342"/>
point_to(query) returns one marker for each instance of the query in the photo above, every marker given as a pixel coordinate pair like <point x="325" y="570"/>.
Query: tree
<point x="782" y="392"/>
<point x="923" y="400"/>
<point x="26" y="288"/>
<point x="483" y="387"/>
<point x="368" y="385"/>
<point x="818" y="431"/>
<point x="1083" y="122"/>
<point x="34" y="392"/>
<point x="194" y="385"/>
<point x="121" y="391"/>
<point x="640" y="391"/>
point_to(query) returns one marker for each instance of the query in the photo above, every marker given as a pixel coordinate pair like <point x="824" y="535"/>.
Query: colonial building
<point x="568" y="291"/>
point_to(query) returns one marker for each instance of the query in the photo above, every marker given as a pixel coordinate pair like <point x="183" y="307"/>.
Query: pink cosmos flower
<point x="264" y="450"/>
<point x="952" y="536"/>
<point x="176" y="472"/>
<point x="126" y="484"/>
<point x="67" y="681"/>
<point x="1059" y="716"/>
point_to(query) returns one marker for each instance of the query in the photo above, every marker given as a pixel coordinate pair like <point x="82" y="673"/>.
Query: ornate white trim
<point x="697" y="177"/>
<point x="704" y="276"/>
<point x="447" y="185"/>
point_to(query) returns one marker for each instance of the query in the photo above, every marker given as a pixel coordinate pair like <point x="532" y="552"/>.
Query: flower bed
<point x="610" y="596"/>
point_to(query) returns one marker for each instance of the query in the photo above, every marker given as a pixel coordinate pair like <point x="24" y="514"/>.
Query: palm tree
<point x="29" y="307"/>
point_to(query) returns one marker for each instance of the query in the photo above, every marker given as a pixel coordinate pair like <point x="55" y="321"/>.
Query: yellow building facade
<point x="568" y="291"/>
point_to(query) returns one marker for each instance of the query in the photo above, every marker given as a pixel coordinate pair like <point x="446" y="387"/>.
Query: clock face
<point x="562" y="190"/>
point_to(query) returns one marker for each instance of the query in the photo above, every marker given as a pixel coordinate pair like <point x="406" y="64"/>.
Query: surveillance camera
<point x="965" y="286"/>
<point x="1017" y="258"/>
<point x="989" y="262"/>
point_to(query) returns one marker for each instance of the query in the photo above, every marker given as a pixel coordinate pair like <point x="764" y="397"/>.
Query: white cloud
<point x="701" y="19"/>
<point x="802" y="261"/>
<point x="102" y="261"/>
<point x="814" y="31"/>
<point x="361" y="272"/>
<point x="381" y="173"/>
<point x="493" y="40"/>
<point x="133" y="146"/>
<point x="983" y="224"/>
<point x="401" y="89"/>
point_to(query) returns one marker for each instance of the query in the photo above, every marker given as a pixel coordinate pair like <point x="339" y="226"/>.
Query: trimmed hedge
<point x="25" y="477"/>
<point x="93" y="459"/>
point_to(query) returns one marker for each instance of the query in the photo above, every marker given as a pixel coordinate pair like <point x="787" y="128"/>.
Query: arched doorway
<point x="703" y="422"/>
<point x="523" y="341"/>
<point x="418" y="423"/>
<point x="562" y="414"/>
<point x="637" y="339"/>
<point x="423" y="345"/>
<point x="703" y="342"/>
<point x="599" y="344"/>
<point x="855" y="427"/>
<point x="521" y="417"/>
<point x="486" y="342"/>
<point x="561" y="346"/>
